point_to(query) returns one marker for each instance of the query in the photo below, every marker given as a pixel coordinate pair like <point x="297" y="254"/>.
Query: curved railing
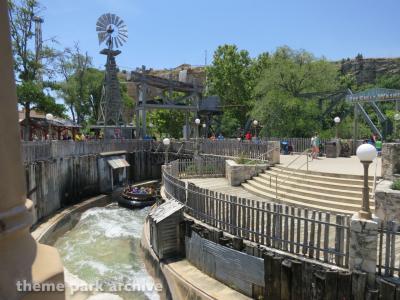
<point x="304" y="232"/>
<point x="44" y="150"/>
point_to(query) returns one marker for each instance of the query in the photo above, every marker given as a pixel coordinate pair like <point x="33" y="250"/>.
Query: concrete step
<point x="295" y="185"/>
<point x="317" y="207"/>
<point x="301" y="201"/>
<point x="310" y="194"/>
<point x="312" y="182"/>
<point x="336" y="175"/>
<point x="310" y="175"/>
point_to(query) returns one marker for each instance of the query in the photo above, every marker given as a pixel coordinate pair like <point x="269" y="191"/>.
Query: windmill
<point x="111" y="31"/>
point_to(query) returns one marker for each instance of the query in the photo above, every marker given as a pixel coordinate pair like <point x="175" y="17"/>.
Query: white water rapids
<point x="103" y="250"/>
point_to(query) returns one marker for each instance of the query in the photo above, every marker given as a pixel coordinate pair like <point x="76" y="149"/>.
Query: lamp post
<point x="204" y="130"/>
<point x="337" y="121"/>
<point x="166" y="143"/>
<point x="196" y="146"/>
<point x="49" y="118"/>
<point x="366" y="154"/>
<point x="255" y="124"/>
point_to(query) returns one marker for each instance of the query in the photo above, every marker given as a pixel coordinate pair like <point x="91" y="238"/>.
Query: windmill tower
<point x="112" y="31"/>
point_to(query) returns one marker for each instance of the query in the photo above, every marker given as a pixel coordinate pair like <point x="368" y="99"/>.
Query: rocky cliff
<point x="367" y="70"/>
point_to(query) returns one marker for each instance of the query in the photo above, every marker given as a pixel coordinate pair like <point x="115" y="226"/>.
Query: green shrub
<point x="396" y="185"/>
<point x="242" y="160"/>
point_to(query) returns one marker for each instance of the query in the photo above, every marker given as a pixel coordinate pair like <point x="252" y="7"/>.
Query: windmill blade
<point x="119" y="41"/>
<point x="109" y="18"/>
<point x="125" y="35"/>
<point x="116" y="20"/>
<point x="102" y="37"/>
<point x="113" y="18"/>
<point x="102" y="21"/>
<point x="100" y="29"/>
<point x="122" y="38"/>
<point x="120" y="22"/>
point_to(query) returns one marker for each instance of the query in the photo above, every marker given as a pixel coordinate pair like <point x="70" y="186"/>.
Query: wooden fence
<point x="199" y="167"/>
<point x="388" y="263"/>
<point x="302" y="144"/>
<point x="299" y="231"/>
<point x="43" y="150"/>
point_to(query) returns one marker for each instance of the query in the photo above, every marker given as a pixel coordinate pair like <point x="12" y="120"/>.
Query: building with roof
<point x="42" y="128"/>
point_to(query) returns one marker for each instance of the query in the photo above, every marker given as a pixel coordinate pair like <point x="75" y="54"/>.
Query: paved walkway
<point x="221" y="185"/>
<point x="340" y="165"/>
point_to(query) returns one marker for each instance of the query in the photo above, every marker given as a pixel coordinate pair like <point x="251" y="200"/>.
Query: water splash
<point x="104" y="248"/>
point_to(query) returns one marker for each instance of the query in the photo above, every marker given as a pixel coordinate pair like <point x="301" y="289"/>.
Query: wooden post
<point x="296" y="281"/>
<point x="319" y="285"/>
<point x="276" y="278"/>
<point x="344" y="286"/>
<point x="387" y="290"/>
<point x="331" y="277"/>
<point x="358" y="285"/>
<point x="268" y="259"/>
<point x="286" y="282"/>
<point x="307" y="280"/>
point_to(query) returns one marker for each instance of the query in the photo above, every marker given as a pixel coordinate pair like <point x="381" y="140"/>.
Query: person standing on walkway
<point x="315" y="141"/>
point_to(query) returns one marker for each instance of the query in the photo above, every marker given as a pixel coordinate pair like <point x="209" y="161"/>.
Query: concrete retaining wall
<point x="238" y="173"/>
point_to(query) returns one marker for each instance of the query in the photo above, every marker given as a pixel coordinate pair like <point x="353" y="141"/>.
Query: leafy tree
<point x="167" y="122"/>
<point x="30" y="64"/>
<point x="74" y="67"/>
<point x="280" y="105"/>
<point x="230" y="77"/>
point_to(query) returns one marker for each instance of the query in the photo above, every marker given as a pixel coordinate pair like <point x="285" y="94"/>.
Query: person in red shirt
<point x="248" y="136"/>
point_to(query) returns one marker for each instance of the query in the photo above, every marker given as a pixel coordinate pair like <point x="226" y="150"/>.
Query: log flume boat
<point x="137" y="197"/>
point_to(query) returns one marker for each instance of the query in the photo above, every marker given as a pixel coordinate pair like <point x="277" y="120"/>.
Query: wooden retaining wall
<point x="282" y="276"/>
<point x="60" y="182"/>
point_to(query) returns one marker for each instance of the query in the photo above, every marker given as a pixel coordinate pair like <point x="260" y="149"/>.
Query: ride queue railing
<point x="300" y="231"/>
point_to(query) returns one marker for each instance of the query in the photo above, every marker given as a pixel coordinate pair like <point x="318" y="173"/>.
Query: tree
<point x="167" y="122"/>
<point x="74" y="67"/>
<point x="280" y="105"/>
<point x="30" y="64"/>
<point x="230" y="77"/>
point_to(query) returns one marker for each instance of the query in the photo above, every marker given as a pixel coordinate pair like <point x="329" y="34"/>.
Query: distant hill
<point x="367" y="70"/>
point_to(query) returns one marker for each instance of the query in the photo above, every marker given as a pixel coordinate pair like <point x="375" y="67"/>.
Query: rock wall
<point x="387" y="202"/>
<point x="238" y="173"/>
<point x="390" y="160"/>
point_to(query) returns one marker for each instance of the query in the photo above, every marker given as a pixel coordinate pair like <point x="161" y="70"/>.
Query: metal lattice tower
<point x="111" y="30"/>
<point x="38" y="43"/>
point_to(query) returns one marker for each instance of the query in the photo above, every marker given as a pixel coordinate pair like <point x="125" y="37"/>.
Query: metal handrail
<point x="290" y="163"/>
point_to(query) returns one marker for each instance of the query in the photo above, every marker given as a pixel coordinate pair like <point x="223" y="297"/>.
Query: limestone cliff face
<point x="367" y="70"/>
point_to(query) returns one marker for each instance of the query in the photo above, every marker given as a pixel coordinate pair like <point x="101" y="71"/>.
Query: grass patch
<point x="396" y="185"/>
<point x="242" y="160"/>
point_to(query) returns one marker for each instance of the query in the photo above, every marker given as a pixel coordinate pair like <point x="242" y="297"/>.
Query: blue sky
<point x="167" y="33"/>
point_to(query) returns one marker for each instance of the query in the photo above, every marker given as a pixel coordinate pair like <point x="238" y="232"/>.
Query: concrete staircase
<point x="337" y="193"/>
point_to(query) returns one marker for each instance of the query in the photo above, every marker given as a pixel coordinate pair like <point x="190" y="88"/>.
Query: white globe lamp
<point x="366" y="154"/>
